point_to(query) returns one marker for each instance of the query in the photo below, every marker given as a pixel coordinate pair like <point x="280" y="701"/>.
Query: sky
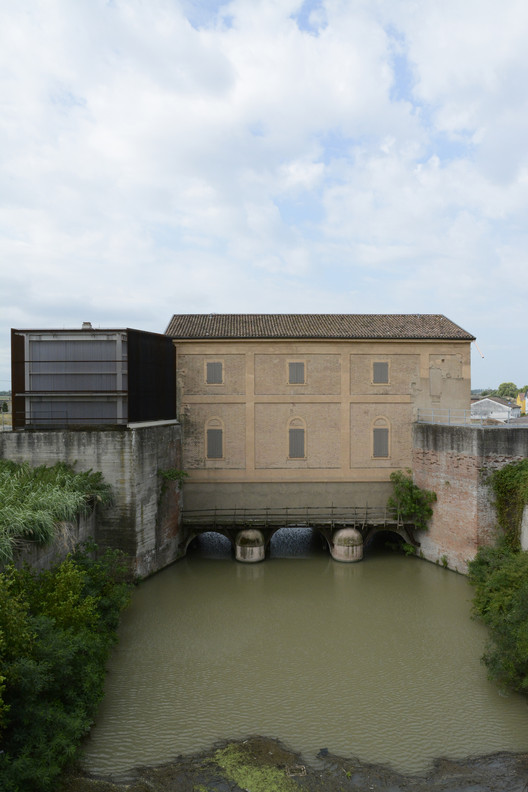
<point x="266" y="156"/>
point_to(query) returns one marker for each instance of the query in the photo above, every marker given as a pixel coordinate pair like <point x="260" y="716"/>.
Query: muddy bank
<point x="260" y="764"/>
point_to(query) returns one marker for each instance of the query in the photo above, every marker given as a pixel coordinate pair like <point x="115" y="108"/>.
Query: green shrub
<point x="500" y="577"/>
<point x="410" y="503"/>
<point x="56" y="630"/>
<point x="510" y="489"/>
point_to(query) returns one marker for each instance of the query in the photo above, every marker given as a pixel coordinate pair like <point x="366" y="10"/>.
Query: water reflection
<point x="378" y="659"/>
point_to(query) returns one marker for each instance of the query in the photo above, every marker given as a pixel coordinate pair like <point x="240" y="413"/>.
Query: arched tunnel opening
<point x="385" y="542"/>
<point x="210" y="544"/>
<point x="295" y="541"/>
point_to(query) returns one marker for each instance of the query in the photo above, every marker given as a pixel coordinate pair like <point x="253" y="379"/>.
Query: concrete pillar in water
<point x="249" y="546"/>
<point x="347" y="545"/>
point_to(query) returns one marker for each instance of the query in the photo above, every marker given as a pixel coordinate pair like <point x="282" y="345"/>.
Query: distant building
<point x="494" y="408"/>
<point x="309" y="410"/>
<point x="91" y="377"/>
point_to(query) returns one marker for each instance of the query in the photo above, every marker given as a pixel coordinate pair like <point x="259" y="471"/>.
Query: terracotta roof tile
<point x="338" y="326"/>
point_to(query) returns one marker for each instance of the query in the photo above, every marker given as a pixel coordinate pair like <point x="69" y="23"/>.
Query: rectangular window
<point x="381" y="442"/>
<point x="214" y="444"/>
<point x="380" y="373"/>
<point x="296" y="444"/>
<point x="296" y="373"/>
<point x="214" y="373"/>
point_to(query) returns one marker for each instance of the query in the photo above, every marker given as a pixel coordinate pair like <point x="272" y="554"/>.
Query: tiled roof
<point x="501" y="401"/>
<point x="338" y="326"/>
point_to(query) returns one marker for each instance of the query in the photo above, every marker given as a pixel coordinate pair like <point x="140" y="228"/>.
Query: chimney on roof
<point x="86" y="325"/>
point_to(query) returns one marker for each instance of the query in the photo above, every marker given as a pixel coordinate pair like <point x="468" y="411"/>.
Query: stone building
<point x="308" y="410"/>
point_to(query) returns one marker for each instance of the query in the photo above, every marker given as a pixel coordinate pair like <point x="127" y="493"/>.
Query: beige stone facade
<point x="291" y="421"/>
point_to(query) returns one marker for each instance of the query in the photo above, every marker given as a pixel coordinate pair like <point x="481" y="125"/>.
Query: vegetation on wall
<point x="34" y="500"/>
<point x="500" y="577"/>
<point x="172" y="474"/>
<point x="509" y="485"/>
<point x="56" y="631"/>
<point x="410" y="502"/>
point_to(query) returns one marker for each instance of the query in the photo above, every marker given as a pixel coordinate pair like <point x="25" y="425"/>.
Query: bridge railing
<point x="302" y="516"/>
<point x="454" y="417"/>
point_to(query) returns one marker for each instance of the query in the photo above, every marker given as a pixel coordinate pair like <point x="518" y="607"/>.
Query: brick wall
<point x="454" y="462"/>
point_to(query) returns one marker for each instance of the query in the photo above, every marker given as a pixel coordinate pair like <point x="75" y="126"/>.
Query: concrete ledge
<point x="149" y="424"/>
<point x="144" y="519"/>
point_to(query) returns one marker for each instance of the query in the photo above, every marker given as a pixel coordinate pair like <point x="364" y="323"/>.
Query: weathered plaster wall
<point x="454" y="461"/>
<point x="143" y="520"/>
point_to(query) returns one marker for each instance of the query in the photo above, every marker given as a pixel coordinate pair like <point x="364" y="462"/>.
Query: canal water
<point x="378" y="660"/>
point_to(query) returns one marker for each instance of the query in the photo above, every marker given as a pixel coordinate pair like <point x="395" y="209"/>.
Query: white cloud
<point x="167" y="156"/>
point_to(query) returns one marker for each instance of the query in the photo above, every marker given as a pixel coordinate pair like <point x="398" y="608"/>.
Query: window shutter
<point x="380" y="373"/>
<point x="214" y="373"/>
<point x="296" y="373"/>
<point x="214" y="444"/>
<point x="381" y="442"/>
<point x="296" y="443"/>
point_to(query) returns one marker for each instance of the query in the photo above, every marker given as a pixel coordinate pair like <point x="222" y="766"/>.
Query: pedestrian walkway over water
<point x="359" y="517"/>
<point x="345" y="527"/>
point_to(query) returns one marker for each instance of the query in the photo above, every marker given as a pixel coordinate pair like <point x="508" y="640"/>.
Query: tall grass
<point x="34" y="500"/>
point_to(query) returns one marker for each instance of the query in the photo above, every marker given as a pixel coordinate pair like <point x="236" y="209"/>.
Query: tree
<point x="5" y="408"/>
<point x="410" y="502"/>
<point x="56" y="631"/>
<point x="507" y="390"/>
<point x="500" y="577"/>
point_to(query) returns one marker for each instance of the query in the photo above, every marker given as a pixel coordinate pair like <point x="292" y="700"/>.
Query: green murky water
<point x="378" y="659"/>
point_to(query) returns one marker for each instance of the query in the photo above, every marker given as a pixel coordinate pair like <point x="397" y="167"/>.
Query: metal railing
<point x="453" y="417"/>
<point x="53" y="419"/>
<point x="351" y="516"/>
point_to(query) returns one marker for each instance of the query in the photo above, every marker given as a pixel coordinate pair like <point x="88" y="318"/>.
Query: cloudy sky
<point x="189" y="156"/>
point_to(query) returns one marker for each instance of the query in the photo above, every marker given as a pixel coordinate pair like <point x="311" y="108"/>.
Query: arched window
<point x="380" y="438"/>
<point x="296" y="439"/>
<point x="214" y="439"/>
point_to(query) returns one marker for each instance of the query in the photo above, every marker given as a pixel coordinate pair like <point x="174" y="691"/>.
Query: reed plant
<point x="34" y="500"/>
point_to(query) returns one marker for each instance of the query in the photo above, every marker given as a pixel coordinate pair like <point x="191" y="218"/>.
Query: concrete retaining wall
<point x="144" y="520"/>
<point x="260" y="495"/>
<point x="67" y="535"/>
<point x="454" y="462"/>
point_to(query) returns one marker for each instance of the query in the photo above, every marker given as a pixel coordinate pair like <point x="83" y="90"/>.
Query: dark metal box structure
<point x="91" y="377"/>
